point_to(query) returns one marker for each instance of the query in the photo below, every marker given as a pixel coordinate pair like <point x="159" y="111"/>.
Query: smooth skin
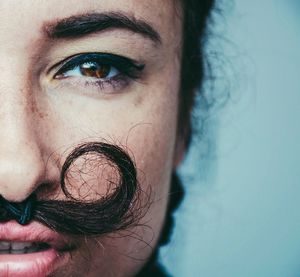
<point x="43" y="118"/>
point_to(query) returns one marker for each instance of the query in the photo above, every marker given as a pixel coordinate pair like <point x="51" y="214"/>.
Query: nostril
<point x="22" y="212"/>
<point x="3" y="213"/>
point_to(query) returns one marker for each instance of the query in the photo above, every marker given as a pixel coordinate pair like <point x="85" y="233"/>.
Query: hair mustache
<point x="113" y="212"/>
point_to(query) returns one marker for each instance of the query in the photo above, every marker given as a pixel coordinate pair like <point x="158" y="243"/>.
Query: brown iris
<point x="95" y="70"/>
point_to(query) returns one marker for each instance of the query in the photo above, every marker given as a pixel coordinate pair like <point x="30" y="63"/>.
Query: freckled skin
<point x="42" y="119"/>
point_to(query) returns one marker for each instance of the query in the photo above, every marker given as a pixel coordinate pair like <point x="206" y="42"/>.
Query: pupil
<point x="95" y="70"/>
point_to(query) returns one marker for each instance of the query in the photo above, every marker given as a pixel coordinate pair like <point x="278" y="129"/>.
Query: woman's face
<point x="62" y="84"/>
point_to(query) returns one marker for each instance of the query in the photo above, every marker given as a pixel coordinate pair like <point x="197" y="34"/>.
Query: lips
<point x="31" y="250"/>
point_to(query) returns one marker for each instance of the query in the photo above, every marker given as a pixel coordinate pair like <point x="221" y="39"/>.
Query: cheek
<point x="153" y="147"/>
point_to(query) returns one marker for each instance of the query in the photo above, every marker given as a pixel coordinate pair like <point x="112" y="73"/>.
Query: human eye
<point x="109" y="72"/>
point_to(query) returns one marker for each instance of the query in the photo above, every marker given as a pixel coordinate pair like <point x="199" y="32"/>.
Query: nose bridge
<point x="21" y="163"/>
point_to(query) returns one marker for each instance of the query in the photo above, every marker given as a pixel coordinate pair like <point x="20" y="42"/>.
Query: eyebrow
<point x="84" y="24"/>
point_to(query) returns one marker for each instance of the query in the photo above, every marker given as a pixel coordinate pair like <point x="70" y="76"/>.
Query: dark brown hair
<point x="196" y="14"/>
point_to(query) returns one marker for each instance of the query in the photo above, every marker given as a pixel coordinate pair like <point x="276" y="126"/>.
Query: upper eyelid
<point x="63" y="62"/>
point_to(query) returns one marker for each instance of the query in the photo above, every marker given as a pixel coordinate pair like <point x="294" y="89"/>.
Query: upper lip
<point x="33" y="232"/>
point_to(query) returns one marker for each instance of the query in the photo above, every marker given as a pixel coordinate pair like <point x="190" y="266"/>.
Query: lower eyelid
<point x="109" y="86"/>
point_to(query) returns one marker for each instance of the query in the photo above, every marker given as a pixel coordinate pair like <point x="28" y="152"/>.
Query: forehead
<point x="25" y="19"/>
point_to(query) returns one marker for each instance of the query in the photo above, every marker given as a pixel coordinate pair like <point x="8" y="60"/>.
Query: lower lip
<point x="37" y="264"/>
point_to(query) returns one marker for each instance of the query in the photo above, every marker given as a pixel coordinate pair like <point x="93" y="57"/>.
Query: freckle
<point x="138" y="101"/>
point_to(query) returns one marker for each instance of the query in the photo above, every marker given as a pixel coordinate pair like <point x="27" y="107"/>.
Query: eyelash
<point x="125" y="70"/>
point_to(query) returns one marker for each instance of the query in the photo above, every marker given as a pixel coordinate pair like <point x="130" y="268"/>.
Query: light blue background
<point x="241" y="215"/>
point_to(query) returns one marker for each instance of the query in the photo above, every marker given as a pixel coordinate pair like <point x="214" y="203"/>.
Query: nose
<point x="22" y="168"/>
